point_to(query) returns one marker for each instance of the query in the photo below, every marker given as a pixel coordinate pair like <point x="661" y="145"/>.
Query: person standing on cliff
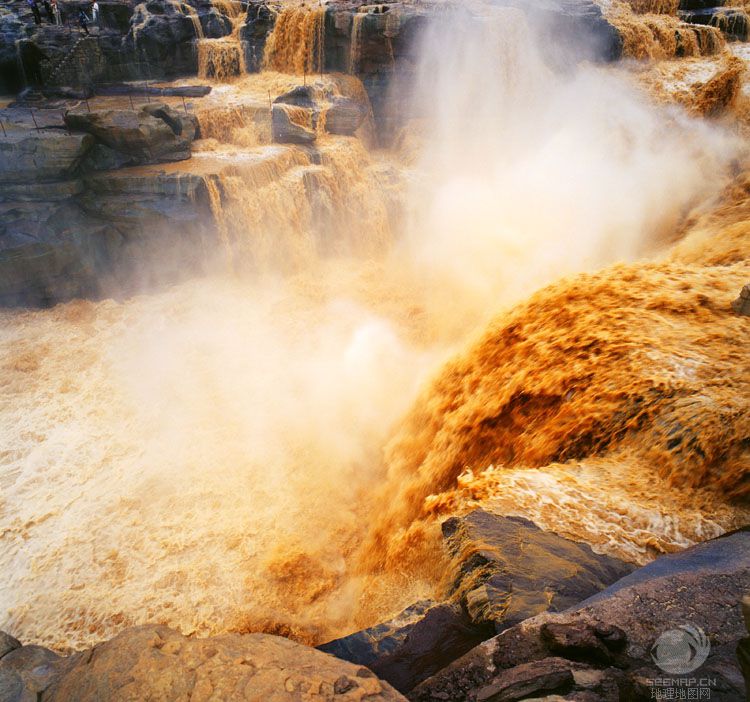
<point x="48" y="10"/>
<point x="95" y="12"/>
<point x="83" y="21"/>
<point x="56" y="12"/>
<point x="35" y="11"/>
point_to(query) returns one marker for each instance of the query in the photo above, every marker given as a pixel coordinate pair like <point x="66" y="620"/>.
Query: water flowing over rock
<point x="299" y="114"/>
<point x="218" y="426"/>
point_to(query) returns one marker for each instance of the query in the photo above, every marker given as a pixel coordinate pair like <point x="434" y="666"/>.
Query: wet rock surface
<point x="507" y="570"/>
<point x="733" y="22"/>
<point x="606" y="642"/>
<point x="412" y="646"/>
<point x="299" y="114"/>
<point x="742" y="304"/>
<point x="511" y="570"/>
<point x="158" y="663"/>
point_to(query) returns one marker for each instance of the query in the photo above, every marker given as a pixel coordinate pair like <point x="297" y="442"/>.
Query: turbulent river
<point x="272" y="446"/>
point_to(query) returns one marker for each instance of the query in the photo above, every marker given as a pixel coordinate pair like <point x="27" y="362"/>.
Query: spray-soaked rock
<point x="510" y="570"/>
<point x="8" y="643"/>
<point x="608" y="641"/>
<point x="157" y="663"/>
<point x="299" y="114"/>
<point x="292" y="125"/>
<point x="507" y="570"/>
<point x="413" y="645"/>
<point x="742" y="304"/>
<point x="732" y="22"/>
<point x="344" y="116"/>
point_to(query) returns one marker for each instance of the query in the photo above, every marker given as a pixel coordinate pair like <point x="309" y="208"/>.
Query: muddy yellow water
<point x="523" y="304"/>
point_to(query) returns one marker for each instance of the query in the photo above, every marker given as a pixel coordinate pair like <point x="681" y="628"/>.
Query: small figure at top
<point x="48" y="10"/>
<point x="56" y="12"/>
<point x="35" y="11"/>
<point x="83" y="21"/>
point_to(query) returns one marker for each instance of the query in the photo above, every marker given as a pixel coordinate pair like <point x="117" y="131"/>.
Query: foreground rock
<point x="414" y="645"/>
<point x="507" y="570"/>
<point x="511" y="570"/>
<point x="157" y="663"/>
<point x="603" y="649"/>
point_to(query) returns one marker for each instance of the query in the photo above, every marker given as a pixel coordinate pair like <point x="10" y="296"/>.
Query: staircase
<point x="80" y="66"/>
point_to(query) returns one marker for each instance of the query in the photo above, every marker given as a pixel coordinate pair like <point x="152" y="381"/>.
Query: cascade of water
<point x="224" y="58"/>
<point x="296" y="44"/>
<point x="355" y="48"/>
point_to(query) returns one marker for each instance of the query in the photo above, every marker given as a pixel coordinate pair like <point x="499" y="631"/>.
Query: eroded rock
<point x="412" y="646"/>
<point x="702" y="585"/>
<point x="154" y="134"/>
<point x="299" y="114"/>
<point x="43" y="155"/>
<point x="155" y="662"/>
<point x="522" y="681"/>
<point x="511" y="570"/>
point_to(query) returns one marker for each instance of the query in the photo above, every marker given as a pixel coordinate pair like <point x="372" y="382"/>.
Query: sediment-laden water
<point x="271" y="447"/>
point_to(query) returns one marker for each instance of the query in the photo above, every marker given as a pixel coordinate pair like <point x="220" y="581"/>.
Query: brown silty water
<point x="223" y="58"/>
<point x="530" y="312"/>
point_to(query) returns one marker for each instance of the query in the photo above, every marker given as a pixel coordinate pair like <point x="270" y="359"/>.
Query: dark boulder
<point x="743" y="649"/>
<point x="161" y="41"/>
<point x="12" y="29"/>
<point x="27" y="672"/>
<point x="611" y="641"/>
<point x="507" y="570"/>
<point x="253" y="34"/>
<point x="414" y="645"/>
<point x="8" y="643"/>
<point x="510" y="570"/>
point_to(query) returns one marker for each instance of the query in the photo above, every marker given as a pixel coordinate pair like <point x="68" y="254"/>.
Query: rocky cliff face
<point x="68" y="227"/>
